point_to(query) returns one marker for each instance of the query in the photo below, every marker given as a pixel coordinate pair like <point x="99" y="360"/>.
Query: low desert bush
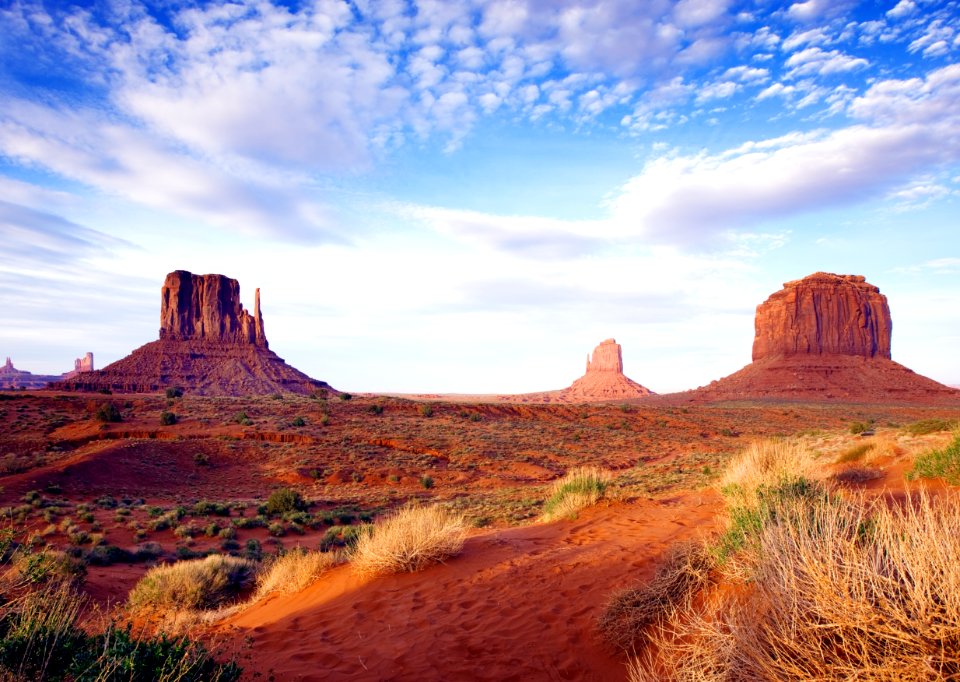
<point x="167" y="418"/>
<point x="684" y="571"/>
<point x="174" y="392"/>
<point x="943" y="463"/>
<point x="189" y="585"/>
<point x="108" y="412"/>
<point x="579" y="488"/>
<point x="293" y="571"/>
<point x="283" y="501"/>
<point x="411" y="539"/>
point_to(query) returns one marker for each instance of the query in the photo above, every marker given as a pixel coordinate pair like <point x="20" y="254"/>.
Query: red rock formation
<point x="209" y="345"/>
<point x="13" y="378"/>
<point x="825" y="337"/>
<point x="824" y="314"/>
<point x="604" y="378"/>
<point x="207" y="307"/>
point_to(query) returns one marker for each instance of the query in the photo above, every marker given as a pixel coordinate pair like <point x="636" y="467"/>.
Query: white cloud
<point x="814" y="61"/>
<point x="747" y="74"/>
<point x="910" y="127"/>
<point x="902" y="9"/>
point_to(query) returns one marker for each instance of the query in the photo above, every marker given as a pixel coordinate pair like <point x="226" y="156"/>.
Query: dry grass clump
<point x="838" y="591"/>
<point x="579" y="488"/>
<point x="685" y="571"/>
<point x="767" y="463"/>
<point x="294" y="571"/>
<point x="189" y="585"/>
<point x="411" y="539"/>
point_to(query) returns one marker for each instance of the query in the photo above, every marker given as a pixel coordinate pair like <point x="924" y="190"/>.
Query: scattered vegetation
<point x="855" y="453"/>
<point x="579" y="488"/>
<point x="167" y="418"/>
<point x="410" y="540"/>
<point x="174" y="392"/>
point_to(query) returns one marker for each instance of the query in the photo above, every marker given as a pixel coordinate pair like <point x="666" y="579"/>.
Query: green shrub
<point x="108" y="412"/>
<point x="167" y="418"/>
<point x="426" y="482"/>
<point x="298" y="421"/>
<point x="426" y="410"/>
<point x="174" y="392"/>
<point x="859" y="427"/>
<point x="943" y="463"/>
<point x="242" y="418"/>
<point x="283" y="501"/>
<point x="345" y="396"/>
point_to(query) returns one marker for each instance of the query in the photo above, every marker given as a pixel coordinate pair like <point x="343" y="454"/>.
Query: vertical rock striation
<point x="207" y="307"/>
<point x="824" y="314"/>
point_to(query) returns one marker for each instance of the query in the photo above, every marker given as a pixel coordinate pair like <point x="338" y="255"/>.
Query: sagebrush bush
<point x="284" y="501"/>
<point x="187" y="585"/>
<point x="579" y="488"/>
<point x="412" y="539"/>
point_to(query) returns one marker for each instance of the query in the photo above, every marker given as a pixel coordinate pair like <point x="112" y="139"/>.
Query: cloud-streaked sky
<point x="469" y="195"/>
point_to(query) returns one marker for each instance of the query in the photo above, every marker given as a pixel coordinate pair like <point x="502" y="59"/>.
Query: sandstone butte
<point x="604" y="378"/>
<point x="209" y="345"/>
<point x="825" y="337"/>
<point x="13" y="378"/>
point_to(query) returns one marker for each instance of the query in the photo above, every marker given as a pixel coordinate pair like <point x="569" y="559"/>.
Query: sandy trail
<point x="518" y="604"/>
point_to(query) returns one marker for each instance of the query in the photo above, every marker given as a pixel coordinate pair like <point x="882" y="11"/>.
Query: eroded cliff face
<point x="824" y="314"/>
<point x="207" y="307"/>
<point x="607" y="357"/>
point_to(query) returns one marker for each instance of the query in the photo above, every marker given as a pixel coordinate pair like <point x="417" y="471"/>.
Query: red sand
<point x="518" y="604"/>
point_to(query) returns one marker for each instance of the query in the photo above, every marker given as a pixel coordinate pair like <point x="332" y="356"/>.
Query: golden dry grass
<point x="579" y="488"/>
<point x="838" y="590"/>
<point x="294" y="571"/>
<point x="767" y="463"/>
<point x="410" y="540"/>
<point x="191" y="585"/>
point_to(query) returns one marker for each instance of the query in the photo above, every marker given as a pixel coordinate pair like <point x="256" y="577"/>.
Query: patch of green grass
<point x="943" y="463"/>
<point x="855" y="453"/>
<point x="925" y="426"/>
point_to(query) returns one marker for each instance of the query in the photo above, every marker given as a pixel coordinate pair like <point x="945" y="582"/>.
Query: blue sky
<point x="468" y="196"/>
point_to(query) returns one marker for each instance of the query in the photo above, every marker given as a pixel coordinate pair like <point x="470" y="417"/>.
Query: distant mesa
<point x="13" y="378"/>
<point x="604" y="378"/>
<point x="825" y="337"/>
<point x="209" y="344"/>
<point x="84" y="364"/>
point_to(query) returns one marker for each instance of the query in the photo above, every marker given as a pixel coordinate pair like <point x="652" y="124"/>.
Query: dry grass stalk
<point x="411" y="539"/>
<point x="294" y="571"/>
<point x="684" y="572"/>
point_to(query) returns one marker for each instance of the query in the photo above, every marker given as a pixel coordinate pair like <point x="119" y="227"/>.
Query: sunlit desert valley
<point x="202" y="510"/>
